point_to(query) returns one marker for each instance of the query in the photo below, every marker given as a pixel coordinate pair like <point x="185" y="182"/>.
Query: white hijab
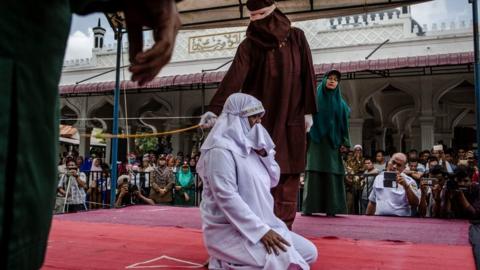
<point x="95" y="168"/>
<point x="232" y="130"/>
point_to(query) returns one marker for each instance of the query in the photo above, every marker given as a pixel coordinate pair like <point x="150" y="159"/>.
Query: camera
<point x="452" y="185"/>
<point x="429" y="181"/>
<point x="390" y="179"/>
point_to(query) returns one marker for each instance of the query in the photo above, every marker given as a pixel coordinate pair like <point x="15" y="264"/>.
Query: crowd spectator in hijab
<point x="238" y="167"/>
<point x="87" y="163"/>
<point x="193" y="165"/>
<point x="324" y="190"/>
<point x="162" y="182"/>
<point x="94" y="192"/>
<point x="185" y="186"/>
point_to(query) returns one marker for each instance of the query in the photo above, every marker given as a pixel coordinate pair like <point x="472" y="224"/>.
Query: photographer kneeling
<point x="129" y="194"/>
<point x="394" y="193"/>
<point x="461" y="198"/>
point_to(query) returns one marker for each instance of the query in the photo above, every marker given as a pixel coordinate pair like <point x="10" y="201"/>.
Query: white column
<point x="397" y="141"/>
<point x="131" y="141"/>
<point x="445" y="137"/>
<point x="427" y="131"/>
<point x="415" y="138"/>
<point x="108" y="152"/>
<point x="356" y="131"/>
<point x="409" y="144"/>
<point x="380" y="139"/>
<point x="84" y="144"/>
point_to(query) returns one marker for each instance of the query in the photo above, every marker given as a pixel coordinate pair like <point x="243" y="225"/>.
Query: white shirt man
<point x="72" y="187"/>
<point x="397" y="200"/>
<point x="238" y="169"/>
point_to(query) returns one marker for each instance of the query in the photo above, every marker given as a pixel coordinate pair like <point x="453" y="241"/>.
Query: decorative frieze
<point x="215" y="42"/>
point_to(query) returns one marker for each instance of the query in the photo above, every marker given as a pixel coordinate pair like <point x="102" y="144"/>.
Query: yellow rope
<point x="144" y="135"/>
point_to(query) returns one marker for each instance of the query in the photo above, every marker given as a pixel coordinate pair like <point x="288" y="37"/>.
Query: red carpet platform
<point x="159" y="237"/>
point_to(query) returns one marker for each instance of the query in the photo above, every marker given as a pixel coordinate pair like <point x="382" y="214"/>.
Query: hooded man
<point x="238" y="169"/>
<point x="274" y="64"/>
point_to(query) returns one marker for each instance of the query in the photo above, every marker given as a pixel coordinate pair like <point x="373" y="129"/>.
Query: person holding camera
<point x="394" y="193"/>
<point x="129" y="193"/>
<point x="431" y="188"/>
<point x="71" y="187"/>
<point x="461" y="197"/>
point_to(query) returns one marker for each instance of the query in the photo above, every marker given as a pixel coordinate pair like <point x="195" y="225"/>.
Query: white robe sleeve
<point x="221" y="173"/>
<point x="272" y="167"/>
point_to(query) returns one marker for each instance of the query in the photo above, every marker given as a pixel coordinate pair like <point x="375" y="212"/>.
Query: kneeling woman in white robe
<point x="238" y="169"/>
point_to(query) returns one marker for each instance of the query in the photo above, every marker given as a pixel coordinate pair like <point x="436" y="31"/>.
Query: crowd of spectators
<point x="432" y="183"/>
<point x="143" y="179"/>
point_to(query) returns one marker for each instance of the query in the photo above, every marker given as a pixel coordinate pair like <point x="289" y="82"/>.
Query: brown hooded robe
<point x="274" y="64"/>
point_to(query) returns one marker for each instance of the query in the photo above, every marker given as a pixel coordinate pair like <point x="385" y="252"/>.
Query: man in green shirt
<point x="32" y="45"/>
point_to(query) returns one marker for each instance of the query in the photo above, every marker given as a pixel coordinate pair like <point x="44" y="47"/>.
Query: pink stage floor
<point x="415" y="230"/>
<point x="161" y="237"/>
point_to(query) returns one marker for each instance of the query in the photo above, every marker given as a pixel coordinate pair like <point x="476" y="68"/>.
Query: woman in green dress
<point x="185" y="187"/>
<point x="324" y="190"/>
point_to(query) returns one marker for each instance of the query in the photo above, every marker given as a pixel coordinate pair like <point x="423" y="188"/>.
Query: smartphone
<point x="429" y="181"/>
<point x="438" y="147"/>
<point x="390" y="179"/>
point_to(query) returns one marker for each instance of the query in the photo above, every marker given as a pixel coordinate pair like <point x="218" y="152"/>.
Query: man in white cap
<point x="238" y="169"/>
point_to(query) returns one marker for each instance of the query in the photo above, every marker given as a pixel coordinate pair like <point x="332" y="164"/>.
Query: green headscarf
<point x="331" y="120"/>
<point x="184" y="178"/>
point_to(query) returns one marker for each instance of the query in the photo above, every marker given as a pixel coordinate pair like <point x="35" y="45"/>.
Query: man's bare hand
<point x="163" y="18"/>
<point x="401" y="181"/>
<point x="273" y="241"/>
<point x="123" y="190"/>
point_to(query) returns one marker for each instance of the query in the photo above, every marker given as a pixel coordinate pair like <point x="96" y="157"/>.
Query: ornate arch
<point x="161" y="101"/>
<point x="459" y="118"/>
<point x="100" y="103"/>
<point x="395" y="113"/>
<point x="400" y="86"/>
<point x="438" y="97"/>
<point x="73" y="108"/>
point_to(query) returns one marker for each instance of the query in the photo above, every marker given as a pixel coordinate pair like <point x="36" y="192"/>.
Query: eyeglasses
<point x="396" y="163"/>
